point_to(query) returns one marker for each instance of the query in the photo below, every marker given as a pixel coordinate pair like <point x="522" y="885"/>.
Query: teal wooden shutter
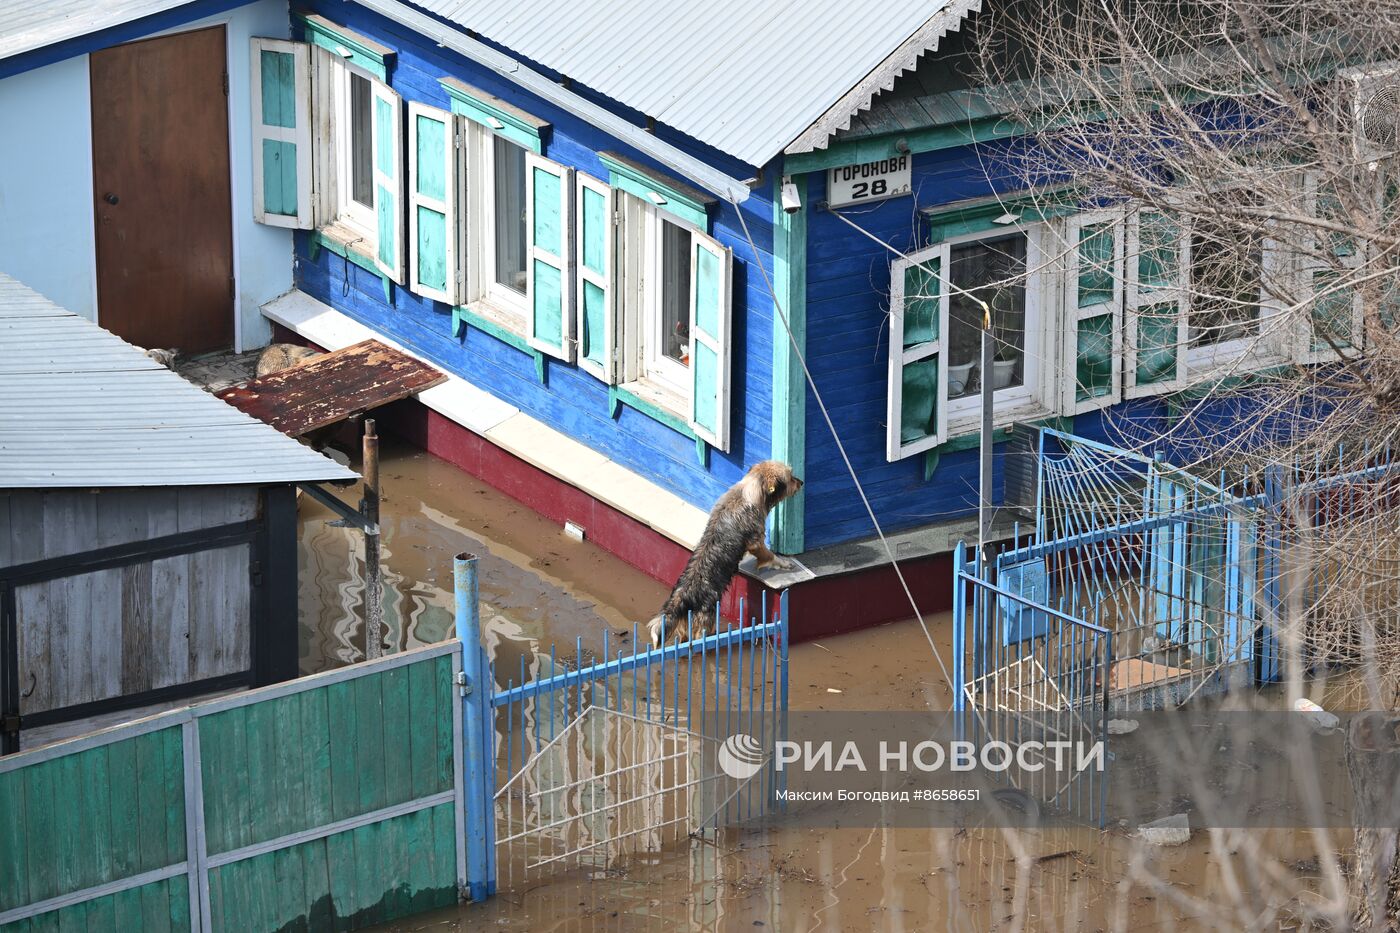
<point x="434" y="199"/>
<point x="1094" y="335"/>
<point x="916" y="416"/>
<point x="1156" y="334"/>
<point x="387" y="121"/>
<point x="594" y="236"/>
<point x="281" y="110"/>
<point x="549" y="251"/>
<point x="711" y="275"/>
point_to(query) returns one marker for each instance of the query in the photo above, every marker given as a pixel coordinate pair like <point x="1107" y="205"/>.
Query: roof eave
<point x="925" y="39"/>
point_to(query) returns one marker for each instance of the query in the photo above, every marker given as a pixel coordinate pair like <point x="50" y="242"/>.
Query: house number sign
<point x="868" y="181"/>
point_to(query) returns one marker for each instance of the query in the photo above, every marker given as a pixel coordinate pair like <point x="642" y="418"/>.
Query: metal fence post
<point x="478" y="765"/>
<point x="959" y="636"/>
<point x="1268" y="650"/>
<point x="783" y="692"/>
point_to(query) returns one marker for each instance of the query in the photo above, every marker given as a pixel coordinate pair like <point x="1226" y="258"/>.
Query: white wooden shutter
<point x="1156" y="336"/>
<point x="1094" y="335"/>
<point x="282" y="151"/>
<point x="549" y="251"/>
<point x="595" y="237"/>
<point x="434" y="199"/>
<point x="388" y="182"/>
<point x="916" y="416"/>
<point x="711" y="281"/>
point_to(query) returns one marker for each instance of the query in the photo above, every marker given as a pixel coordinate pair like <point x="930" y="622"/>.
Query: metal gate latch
<point x="464" y="683"/>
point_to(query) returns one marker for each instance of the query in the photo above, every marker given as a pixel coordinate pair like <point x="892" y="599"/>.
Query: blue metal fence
<point x="579" y="761"/>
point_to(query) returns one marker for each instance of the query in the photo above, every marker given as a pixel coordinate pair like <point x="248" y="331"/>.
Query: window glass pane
<point x="1156" y="338"/>
<point x="1331" y="311"/>
<point x="361" y="172"/>
<point x="918" y="400"/>
<point x="1095" y="264"/>
<point x="993" y="271"/>
<point x="509" y="190"/>
<point x="1156" y="251"/>
<point x="675" y="292"/>
<point x="921" y="303"/>
<point x="1226" y="277"/>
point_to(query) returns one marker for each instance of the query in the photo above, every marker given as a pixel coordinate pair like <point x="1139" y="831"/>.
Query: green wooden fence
<point x="328" y="803"/>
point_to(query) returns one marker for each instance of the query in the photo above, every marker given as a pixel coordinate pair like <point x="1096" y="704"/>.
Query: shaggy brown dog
<point x="280" y="356"/>
<point x="737" y="526"/>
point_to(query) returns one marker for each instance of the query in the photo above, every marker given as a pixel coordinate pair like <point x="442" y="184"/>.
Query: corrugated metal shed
<point x="81" y="407"/>
<point x="745" y="76"/>
<point x="26" y="25"/>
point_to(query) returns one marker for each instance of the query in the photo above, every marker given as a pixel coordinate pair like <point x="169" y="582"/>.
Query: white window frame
<point x="899" y="357"/>
<point x="1137" y="297"/>
<point x="511" y="307"/>
<point x="1032" y="395"/>
<point x="1310" y="263"/>
<point x="1073" y="314"/>
<point x="656" y="366"/>
<point x="606" y="370"/>
<point x="349" y="212"/>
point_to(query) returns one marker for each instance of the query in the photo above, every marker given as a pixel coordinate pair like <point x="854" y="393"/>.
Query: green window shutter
<point x="711" y="279"/>
<point x="916" y="415"/>
<point x="1156" y="299"/>
<point x="281" y="111"/>
<point x="549" y="255"/>
<point x="595" y="238"/>
<point x="388" y="182"/>
<point x="434" y="199"/>
<point x="1095" y="311"/>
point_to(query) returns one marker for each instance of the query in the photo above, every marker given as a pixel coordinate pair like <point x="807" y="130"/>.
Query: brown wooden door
<point x="161" y="185"/>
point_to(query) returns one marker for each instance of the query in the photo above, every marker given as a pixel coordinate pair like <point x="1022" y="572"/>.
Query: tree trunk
<point x="1373" y="762"/>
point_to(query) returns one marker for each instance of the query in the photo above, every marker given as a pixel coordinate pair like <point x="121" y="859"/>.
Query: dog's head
<point x="775" y="481"/>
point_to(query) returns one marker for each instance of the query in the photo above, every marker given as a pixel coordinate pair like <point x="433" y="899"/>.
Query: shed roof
<point x="748" y="78"/>
<point x="79" y="406"/>
<point x="34" y="24"/>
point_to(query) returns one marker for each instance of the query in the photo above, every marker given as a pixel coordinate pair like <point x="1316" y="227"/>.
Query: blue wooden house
<point x="624" y="237"/>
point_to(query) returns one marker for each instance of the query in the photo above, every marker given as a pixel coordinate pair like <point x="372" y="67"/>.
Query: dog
<point x="165" y="358"/>
<point x="280" y="356"/>
<point x="737" y="526"/>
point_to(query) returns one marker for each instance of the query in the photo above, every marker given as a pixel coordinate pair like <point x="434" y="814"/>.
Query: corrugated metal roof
<point x="745" y="76"/>
<point x="81" y="407"/>
<point x="26" y="25"/>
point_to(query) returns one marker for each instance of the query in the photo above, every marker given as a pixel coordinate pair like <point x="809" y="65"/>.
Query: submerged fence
<point x="1143" y="586"/>
<point x="386" y="788"/>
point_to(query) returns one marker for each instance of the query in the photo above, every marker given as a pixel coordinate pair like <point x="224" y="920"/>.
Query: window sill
<point x="660" y="404"/>
<point x="966" y="433"/>
<point x="506" y="327"/>
<point x="354" y="247"/>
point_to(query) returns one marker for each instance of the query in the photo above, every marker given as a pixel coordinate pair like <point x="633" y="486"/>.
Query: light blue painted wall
<point x="46" y="216"/>
<point x="46" y="234"/>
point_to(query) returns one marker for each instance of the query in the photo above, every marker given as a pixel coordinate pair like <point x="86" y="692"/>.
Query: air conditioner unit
<point x="1371" y="98"/>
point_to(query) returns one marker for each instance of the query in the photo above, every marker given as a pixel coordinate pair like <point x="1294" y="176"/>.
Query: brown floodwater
<point x="539" y="587"/>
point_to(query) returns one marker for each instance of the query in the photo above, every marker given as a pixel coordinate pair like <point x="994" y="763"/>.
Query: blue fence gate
<point x="584" y="761"/>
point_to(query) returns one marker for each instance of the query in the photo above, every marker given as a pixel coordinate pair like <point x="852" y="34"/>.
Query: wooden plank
<point x="138" y="646"/>
<point x="35" y="657"/>
<point x="172" y="748"/>
<point x="345" y="785"/>
<point x="14" y="861"/>
<point x="369" y="741"/>
<point x="316" y="757"/>
<point x="95" y="803"/>
<point x="396" y="726"/>
<point x="170" y="594"/>
<point x="102" y="618"/>
<point x="316" y="871"/>
<point x="331" y="388"/>
<point x="423" y="739"/>
<point x="340" y="867"/>
<point x="122" y="778"/>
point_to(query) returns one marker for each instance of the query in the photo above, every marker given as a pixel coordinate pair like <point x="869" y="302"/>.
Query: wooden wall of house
<point x="570" y="400"/>
<point x="104" y="633"/>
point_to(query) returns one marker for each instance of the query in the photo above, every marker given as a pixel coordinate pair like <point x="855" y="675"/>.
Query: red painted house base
<point x="827" y="605"/>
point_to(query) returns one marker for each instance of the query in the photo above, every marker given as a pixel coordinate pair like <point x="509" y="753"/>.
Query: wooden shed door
<point x="161" y="184"/>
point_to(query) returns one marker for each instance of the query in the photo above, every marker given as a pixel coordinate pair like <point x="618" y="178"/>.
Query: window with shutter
<point x="711" y="274"/>
<point x="282" y="147"/>
<point x="1093" y="330"/>
<point x="594" y="239"/>
<point x="1156" y="295"/>
<point x="434" y="202"/>
<point x="549" y="229"/>
<point x="919" y="379"/>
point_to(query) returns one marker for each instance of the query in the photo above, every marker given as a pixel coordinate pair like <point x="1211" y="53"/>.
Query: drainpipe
<point x="478" y="751"/>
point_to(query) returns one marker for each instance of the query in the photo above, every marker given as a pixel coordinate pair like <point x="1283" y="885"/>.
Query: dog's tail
<point x="657" y="629"/>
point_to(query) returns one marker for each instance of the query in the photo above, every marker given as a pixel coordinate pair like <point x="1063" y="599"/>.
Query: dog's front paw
<point x="777" y="563"/>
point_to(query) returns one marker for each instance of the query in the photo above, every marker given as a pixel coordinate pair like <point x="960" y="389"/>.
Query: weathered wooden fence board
<point x="323" y="804"/>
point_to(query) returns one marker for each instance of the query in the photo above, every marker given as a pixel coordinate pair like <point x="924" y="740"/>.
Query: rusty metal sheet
<point x="331" y="388"/>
